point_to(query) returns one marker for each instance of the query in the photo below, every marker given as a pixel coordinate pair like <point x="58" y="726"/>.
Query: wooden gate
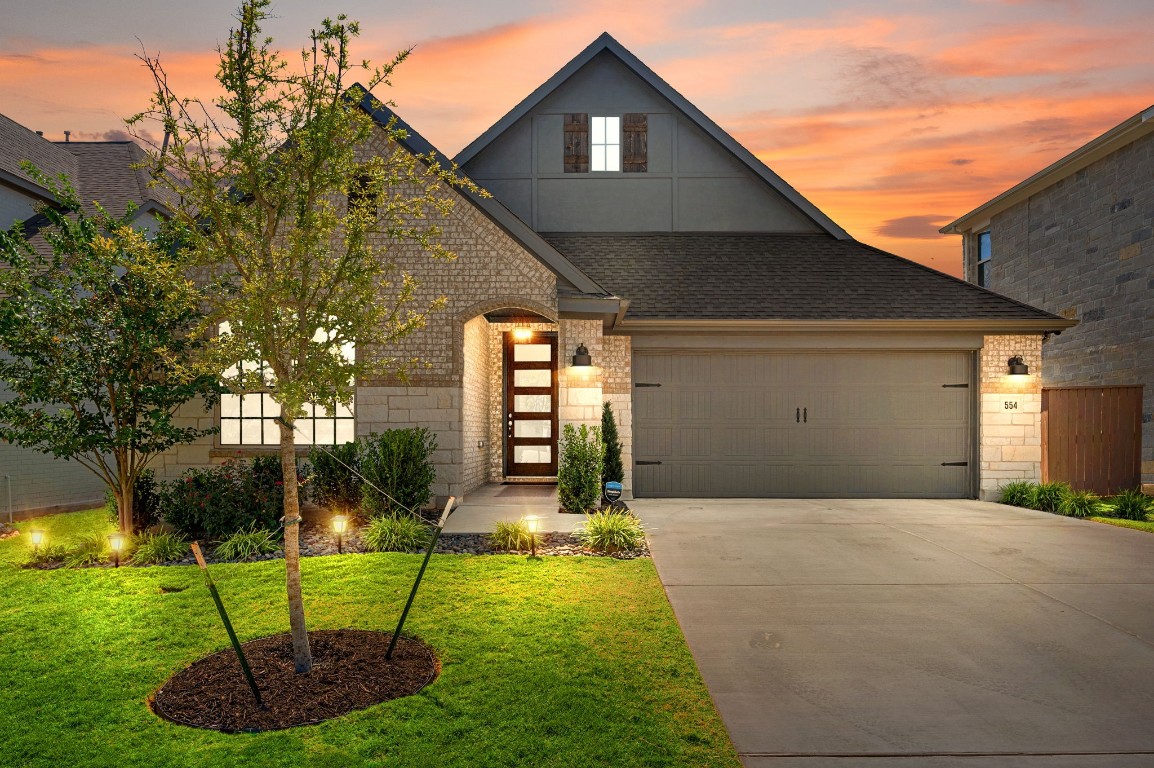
<point x="1092" y="437"/>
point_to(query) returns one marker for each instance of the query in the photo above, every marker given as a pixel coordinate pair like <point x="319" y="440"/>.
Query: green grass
<point x="1140" y="525"/>
<point x="546" y="662"/>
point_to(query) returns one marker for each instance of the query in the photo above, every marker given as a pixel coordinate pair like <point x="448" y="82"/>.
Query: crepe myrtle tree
<point x="98" y="343"/>
<point x="284" y="206"/>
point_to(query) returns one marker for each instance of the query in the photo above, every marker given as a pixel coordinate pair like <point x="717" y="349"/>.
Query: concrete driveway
<point x="862" y="634"/>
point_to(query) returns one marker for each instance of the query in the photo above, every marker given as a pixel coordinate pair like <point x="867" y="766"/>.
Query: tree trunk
<point x="302" y="654"/>
<point x="124" y="497"/>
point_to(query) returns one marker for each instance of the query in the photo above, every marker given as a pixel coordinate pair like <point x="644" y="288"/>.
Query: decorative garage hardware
<point x="1017" y="366"/>
<point x="639" y="384"/>
<point x="582" y="359"/>
<point x="802" y="415"/>
<point x="646" y="463"/>
<point x="955" y="463"/>
<point x="955" y="386"/>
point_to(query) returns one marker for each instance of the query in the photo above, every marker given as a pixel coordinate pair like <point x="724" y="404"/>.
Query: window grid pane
<point x="605" y="144"/>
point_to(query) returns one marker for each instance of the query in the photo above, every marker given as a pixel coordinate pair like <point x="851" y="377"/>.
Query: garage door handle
<point x="805" y="415"/>
<point x="798" y="415"/>
<point x="955" y="463"/>
<point x="646" y="463"/>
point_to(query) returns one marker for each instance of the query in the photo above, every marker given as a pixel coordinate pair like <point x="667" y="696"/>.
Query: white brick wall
<point x="1010" y="441"/>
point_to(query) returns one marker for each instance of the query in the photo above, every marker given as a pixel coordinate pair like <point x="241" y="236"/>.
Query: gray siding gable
<point x="698" y="178"/>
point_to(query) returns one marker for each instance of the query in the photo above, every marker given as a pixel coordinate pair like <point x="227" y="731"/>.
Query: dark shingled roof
<point x="106" y="174"/>
<point x="757" y="276"/>
<point x="17" y="144"/>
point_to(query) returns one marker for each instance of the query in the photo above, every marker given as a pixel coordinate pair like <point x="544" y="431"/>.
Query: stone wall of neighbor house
<point x="1084" y="249"/>
<point x="1010" y="423"/>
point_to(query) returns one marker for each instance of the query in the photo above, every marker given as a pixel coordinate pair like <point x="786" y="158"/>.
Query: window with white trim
<point x="984" y="253"/>
<point x="605" y="144"/>
<point x="251" y="419"/>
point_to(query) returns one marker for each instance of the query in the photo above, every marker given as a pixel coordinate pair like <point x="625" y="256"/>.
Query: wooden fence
<point x="1092" y="437"/>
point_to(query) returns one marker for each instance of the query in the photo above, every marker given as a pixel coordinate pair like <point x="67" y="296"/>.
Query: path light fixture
<point x="116" y="544"/>
<point x="340" y="525"/>
<point x="1018" y="366"/>
<point x="533" y="523"/>
<point x="36" y="536"/>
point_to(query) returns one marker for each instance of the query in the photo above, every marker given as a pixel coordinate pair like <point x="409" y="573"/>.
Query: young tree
<point x="284" y="204"/>
<point x="98" y="344"/>
<point x="613" y="469"/>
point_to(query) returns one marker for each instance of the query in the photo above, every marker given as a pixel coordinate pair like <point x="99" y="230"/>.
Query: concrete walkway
<point x="481" y="509"/>
<point x="863" y="634"/>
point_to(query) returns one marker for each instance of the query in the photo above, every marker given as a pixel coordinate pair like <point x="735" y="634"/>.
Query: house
<point x="102" y="171"/>
<point x="634" y="252"/>
<point x="1077" y="239"/>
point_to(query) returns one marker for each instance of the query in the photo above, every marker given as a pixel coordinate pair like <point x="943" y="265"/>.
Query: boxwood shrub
<point x="219" y="501"/>
<point x="398" y="470"/>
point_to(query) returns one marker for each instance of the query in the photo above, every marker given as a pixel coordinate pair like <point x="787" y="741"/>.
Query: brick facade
<point x="1083" y="248"/>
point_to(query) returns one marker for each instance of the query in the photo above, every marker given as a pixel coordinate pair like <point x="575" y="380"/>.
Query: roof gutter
<point x="1120" y="135"/>
<point x="994" y="326"/>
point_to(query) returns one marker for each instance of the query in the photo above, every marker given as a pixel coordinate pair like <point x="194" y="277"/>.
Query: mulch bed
<point x="349" y="673"/>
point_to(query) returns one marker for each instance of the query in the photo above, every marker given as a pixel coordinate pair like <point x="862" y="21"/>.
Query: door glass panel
<point x="532" y="428"/>
<point x="532" y="353"/>
<point x="532" y="454"/>
<point x="532" y="403"/>
<point x="542" y="378"/>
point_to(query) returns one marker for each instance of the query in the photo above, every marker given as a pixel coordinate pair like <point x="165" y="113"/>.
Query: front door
<point x="531" y="405"/>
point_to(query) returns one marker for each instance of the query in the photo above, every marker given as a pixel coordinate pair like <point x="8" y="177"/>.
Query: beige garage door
<point x="874" y="424"/>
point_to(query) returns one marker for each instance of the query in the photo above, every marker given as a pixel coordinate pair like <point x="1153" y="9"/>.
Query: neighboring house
<point x="1077" y="239"/>
<point x="636" y="253"/>
<point x="100" y="171"/>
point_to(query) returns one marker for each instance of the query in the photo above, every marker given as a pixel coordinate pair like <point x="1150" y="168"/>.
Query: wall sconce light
<point x="340" y="525"/>
<point x="582" y="359"/>
<point x="522" y="332"/>
<point x="116" y="544"/>
<point x="1017" y="366"/>
<point x="36" y="536"/>
<point x="533" y="523"/>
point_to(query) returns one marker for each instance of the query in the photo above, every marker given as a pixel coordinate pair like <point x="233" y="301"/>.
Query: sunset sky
<point x="894" y="117"/>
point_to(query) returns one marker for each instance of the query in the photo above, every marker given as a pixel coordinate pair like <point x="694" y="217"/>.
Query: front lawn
<point x="561" y="661"/>
<point x="1141" y="525"/>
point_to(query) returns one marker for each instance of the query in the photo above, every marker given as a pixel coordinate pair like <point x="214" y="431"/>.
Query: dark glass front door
<point x="531" y="405"/>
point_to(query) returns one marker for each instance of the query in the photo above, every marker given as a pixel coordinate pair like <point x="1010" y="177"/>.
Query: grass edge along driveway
<point x="548" y="662"/>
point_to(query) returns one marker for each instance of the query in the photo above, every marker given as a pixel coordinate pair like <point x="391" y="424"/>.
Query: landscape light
<point x="36" y="536"/>
<point x="340" y="525"/>
<point x="533" y="523"/>
<point x="116" y="544"/>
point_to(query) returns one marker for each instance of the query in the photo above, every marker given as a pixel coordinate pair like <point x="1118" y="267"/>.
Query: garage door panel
<point x="876" y="424"/>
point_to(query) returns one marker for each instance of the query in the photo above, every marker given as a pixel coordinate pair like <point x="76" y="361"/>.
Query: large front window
<point x="251" y="419"/>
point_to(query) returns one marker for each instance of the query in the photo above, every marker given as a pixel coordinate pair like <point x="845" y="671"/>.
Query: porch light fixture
<point x="340" y="525"/>
<point x="1017" y="366"/>
<point x="522" y="332"/>
<point x="36" y="536"/>
<point x="533" y="523"/>
<point x="116" y="544"/>
<point x="582" y="359"/>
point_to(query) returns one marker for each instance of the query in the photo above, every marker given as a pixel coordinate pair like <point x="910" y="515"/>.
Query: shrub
<point x="1080" y="504"/>
<point x="1048" y="497"/>
<point x="1132" y="504"/>
<point x="247" y="544"/>
<point x="86" y="550"/>
<point x="219" y="501"/>
<point x="579" y="468"/>
<point x="512" y="536"/>
<point x="153" y="548"/>
<point x="395" y="533"/>
<point x="145" y="503"/>
<point x="1019" y="493"/>
<point x="611" y="532"/>
<point x="397" y="465"/>
<point x="48" y="553"/>
<point x="333" y="482"/>
<point x="613" y="470"/>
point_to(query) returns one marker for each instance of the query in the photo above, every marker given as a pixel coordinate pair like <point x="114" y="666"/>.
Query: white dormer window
<point x="605" y="144"/>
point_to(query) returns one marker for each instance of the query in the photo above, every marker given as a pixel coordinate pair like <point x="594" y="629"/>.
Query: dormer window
<point x="605" y="144"/>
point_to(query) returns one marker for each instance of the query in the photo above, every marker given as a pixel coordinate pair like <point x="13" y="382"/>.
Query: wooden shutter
<point x="635" y="143"/>
<point x="577" y="143"/>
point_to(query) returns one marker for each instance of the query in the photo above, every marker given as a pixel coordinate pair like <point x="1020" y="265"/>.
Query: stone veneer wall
<point x="1010" y="441"/>
<point x="1083" y="248"/>
<point x="616" y="363"/>
<point x="477" y="395"/>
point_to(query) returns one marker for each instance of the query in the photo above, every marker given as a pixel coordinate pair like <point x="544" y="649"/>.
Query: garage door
<point x="873" y="424"/>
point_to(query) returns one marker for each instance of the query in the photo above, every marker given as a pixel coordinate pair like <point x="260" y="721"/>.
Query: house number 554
<point x="1011" y="405"/>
